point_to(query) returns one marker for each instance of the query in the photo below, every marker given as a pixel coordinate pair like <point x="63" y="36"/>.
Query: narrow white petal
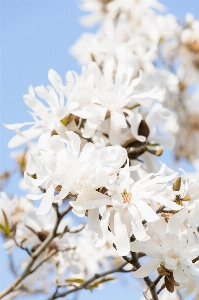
<point x="93" y="219"/>
<point x="74" y="143"/>
<point x="122" y="239"/>
<point x="90" y="204"/>
<point x="137" y="226"/>
<point x="147" y="269"/>
<point x="166" y="202"/>
<point x="47" y="201"/>
<point x="55" y="144"/>
<point x="34" y="197"/>
<point x="150" y="248"/>
<point x="177" y="219"/>
<point x="146" y="211"/>
<point x="103" y="234"/>
<point x="33" y="182"/>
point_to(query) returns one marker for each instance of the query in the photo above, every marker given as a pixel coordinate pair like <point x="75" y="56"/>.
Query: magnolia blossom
<point x="70" y="171"/>
<point x="173" y="252"/>
<point x="124" y="206"/>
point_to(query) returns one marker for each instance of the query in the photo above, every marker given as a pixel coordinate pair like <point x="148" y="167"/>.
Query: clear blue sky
<point x="35" y="36"/>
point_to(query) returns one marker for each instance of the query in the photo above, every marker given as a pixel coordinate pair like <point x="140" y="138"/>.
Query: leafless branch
<point x="37" y="253"/>
<point x="86" y="283"/>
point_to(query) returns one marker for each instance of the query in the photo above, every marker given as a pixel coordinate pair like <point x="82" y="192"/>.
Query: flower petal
<point x="47" y="201"/>
<point x="147" y="269"/>
<point x="122" y="239"/>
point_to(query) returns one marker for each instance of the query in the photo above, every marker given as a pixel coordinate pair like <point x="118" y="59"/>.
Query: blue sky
<point x="35" y="36"/>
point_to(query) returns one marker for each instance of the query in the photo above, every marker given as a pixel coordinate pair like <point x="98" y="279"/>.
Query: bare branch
<point x="150" y="284"/>
<point x="86" y="283"/>
<point x="37" y="253"/>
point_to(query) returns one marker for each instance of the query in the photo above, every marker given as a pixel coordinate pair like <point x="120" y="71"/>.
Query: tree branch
<point x="37" y="252"/>
<point x="150" y="284"/>
<point x="86" y="283"/>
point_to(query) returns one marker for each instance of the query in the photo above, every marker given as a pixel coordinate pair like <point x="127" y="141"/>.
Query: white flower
<point x="171" y="250"/>
<point x="46" y="118"/>
<point x="124" y="207"/>
<point x="72" y="170"/>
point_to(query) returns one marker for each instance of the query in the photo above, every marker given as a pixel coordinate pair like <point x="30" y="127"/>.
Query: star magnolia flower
<point x="46" y="118"/>
<point x="115" y="96"/>
<point x="72" y="170"/>
<point x="171" y="250"/>
<point x="127" y="206"/>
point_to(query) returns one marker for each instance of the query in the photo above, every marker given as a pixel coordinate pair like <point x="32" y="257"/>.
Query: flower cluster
<point x="97" y="138"/>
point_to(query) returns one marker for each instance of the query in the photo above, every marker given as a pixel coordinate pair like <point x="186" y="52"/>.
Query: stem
<point x="150" y="284"/>
<point x="86" y="283"/>
<point x="37" y="253"/>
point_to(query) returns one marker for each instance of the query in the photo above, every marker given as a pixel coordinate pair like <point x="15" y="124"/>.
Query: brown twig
<point x="86" y="283"/>
<point x="37" y="252"/>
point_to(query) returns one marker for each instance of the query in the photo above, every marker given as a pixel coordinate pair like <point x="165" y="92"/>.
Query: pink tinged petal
<point x="137" y="226"/>
<point x="93" y="219"/>
<point x="177" y="219"/>
<point x="56" y="144"/>
<point x="148" y="268"/>
<point x="47" y="201"/>
<point x="74" y="143"/>
<point x="150" y="248"/>
<point x="122" y="239"/>
<point x="103" y="232"/>
<point x="33" y="182"/>
<point x="146" y="211"/>
<point x="167" y="203"/>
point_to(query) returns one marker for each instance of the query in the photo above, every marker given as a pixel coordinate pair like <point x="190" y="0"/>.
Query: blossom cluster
<point x="165" y="48"/>
<point x="97" y="136"/>
<point x="68" y="254"/>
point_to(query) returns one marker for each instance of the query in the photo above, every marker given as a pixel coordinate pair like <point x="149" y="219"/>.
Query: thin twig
<point x="150" y="284"/>
<point x="37" y="253"/>
<point x="161" y="289"/>
<point x="86" y="283"/>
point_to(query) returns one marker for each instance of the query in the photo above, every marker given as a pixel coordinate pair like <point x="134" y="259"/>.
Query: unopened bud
<point x="177" y="184"/>
<point x="159" y="152"/>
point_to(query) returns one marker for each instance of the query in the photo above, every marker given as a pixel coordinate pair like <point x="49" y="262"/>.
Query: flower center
<point x="126" y="196"/>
